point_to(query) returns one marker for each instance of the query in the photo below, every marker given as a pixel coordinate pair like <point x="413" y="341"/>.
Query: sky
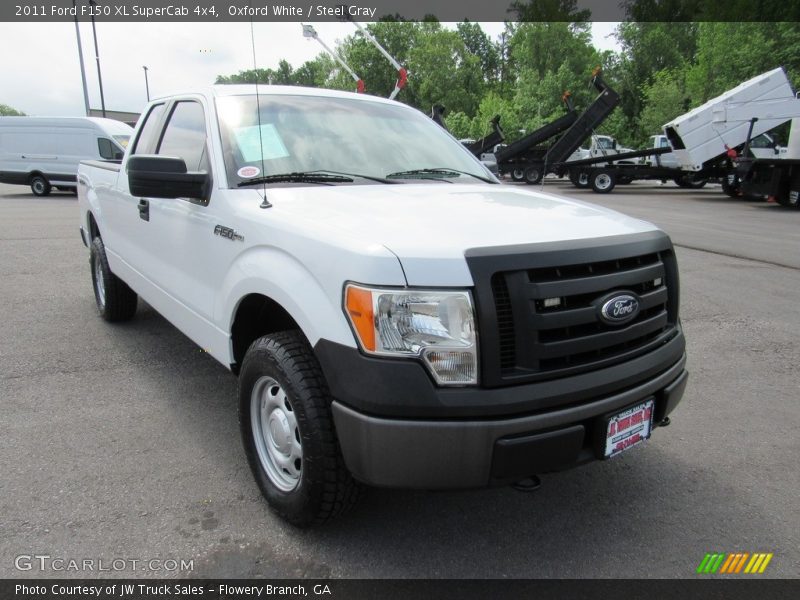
<point x="40" y="70"/>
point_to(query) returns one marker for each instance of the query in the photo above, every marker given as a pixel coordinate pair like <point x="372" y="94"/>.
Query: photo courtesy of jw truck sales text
<point x="303" y="282"/>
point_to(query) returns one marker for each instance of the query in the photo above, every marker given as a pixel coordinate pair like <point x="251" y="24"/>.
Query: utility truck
<point x="706" y="141"/>
<point x="395" y="317"/>
<point x="529" y="159"/>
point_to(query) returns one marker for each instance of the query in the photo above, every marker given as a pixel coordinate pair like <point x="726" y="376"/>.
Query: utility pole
<point x="97" y="57"/>
<point x="146" y="84"/>
<point x="80" y="59"/>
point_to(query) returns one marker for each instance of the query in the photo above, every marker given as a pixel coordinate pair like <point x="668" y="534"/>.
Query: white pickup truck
<point x="396" y="317"/>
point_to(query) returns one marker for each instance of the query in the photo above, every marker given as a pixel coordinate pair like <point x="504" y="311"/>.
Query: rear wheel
<point x="730" y="185"/>
<point x="579" y="178"/>
<point x="533" y="175"/>
<point x="288" y="431"/>
<point x="115" y="300"/>
<point x="518" y="174"/>
<point x="602" y="181"/>
<point x="690" y="182"/>
<point x="40" y="186"/>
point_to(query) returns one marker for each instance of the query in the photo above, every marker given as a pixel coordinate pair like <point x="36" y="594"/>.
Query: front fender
<point x="313" y="301"/>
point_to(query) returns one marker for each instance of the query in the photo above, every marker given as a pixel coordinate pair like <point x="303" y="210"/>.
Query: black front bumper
<point x="397" y="429"/>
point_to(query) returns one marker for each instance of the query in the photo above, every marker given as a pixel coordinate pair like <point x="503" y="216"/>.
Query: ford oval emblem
<point x="619" y="308"/>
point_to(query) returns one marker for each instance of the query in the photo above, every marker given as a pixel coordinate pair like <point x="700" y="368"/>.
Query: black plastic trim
<point x="448" y="454"/>
<point x="485" y="263"/>
<point x="403" y="387"/>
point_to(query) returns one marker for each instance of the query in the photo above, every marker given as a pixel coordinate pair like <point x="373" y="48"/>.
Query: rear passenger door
<point x="122" y="229"/>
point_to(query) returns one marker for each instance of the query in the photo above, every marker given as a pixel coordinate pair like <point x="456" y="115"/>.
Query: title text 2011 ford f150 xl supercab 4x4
<point x="395" y="316"/>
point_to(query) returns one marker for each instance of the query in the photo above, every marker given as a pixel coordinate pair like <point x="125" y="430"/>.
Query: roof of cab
<point x="216" y="91"/>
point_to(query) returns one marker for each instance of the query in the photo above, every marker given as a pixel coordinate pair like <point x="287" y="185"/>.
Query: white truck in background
<point x="707" y="141"/>
<point x="395" y="316"/>
<point x="44" y="152"/>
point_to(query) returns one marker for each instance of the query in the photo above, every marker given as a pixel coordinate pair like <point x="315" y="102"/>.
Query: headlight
<point x="436" y="326"/>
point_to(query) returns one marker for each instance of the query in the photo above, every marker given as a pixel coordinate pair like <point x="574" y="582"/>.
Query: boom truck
<point x="527" y="160"/>
<point x="710" y="141"/>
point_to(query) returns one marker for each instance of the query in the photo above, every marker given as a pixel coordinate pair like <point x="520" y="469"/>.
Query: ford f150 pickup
<point x="395" y="315"/>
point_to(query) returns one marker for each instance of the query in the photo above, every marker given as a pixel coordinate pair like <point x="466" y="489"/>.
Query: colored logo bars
<point x="734" y="562"/>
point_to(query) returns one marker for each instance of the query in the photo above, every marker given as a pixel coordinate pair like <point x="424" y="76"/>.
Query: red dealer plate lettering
<point x="629" y="428"/>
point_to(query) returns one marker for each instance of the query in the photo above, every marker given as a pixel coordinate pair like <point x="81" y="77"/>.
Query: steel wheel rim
<point x="583" y="178"/>
<point x="518" y="174"/>
<point x="99" y="283"/>
<point x="532" y="176"/>
<point x="38" y="186"/>
<point x="276" y="434"/>
<point x="603" y="181"/>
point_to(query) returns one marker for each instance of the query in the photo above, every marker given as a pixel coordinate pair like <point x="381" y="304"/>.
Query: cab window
<point x="108" y="150"/>
<point x="185" y="136"/>
<point x="148" y="133"/>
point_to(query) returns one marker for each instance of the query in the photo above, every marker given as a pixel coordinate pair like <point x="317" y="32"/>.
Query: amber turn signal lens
<point x="359" y="307"/>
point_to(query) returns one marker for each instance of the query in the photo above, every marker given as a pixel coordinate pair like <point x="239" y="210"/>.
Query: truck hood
<point x="429" y="227"/>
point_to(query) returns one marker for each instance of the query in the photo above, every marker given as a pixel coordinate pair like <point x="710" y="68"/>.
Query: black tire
<point x="115" y="300"/>
<point x="731" y="186"/>
<point x="517" y="174"/>
<point x="689" y="182"/>
<point x="533" y="175"/>
<point x="603" y="180"/>
<point x="579" y="178"/>
<point x="40" y="186"/>
<point x="314" y="486"/>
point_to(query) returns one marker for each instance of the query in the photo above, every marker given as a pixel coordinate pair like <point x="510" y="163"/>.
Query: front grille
<point x="527" y="339"/>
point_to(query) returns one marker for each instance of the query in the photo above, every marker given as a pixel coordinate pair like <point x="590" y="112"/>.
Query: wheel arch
<point x="256" y="315"/>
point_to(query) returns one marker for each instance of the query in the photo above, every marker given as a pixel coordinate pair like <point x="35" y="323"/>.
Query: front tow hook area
<point x="528" y="485"/>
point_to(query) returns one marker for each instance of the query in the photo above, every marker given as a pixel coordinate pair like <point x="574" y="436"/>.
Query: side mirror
<point x="155" y="176"/>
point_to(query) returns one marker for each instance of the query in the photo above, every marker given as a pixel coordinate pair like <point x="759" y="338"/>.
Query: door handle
<point x="144" y="209"/>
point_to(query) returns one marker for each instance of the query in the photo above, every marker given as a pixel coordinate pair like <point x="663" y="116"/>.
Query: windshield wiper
<point x="360" y="176"/>
<point x="439" y="173"/>
<point x="299" y="177"/>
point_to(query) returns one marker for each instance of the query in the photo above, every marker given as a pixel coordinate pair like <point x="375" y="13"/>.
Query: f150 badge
<point x="619" y="308"/>
<point x="228" y="233"/>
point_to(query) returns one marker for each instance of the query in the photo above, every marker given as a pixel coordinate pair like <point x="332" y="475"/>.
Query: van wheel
<point x="288" y="432"/>
<point x="602" y="181"/>
<point x="115" y="300"/>
<point x="40" y="186"/>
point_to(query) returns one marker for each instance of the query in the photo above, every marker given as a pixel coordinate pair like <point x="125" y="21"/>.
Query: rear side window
<point x="148" y="134"/>
<point x="185" y="136"/>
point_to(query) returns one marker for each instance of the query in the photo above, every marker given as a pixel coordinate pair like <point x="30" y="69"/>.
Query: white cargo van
<point x="44" y="152"/>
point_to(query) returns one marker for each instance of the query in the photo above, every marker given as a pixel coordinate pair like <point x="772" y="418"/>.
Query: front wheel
<point x="288" y="431"/>
<point x="40" y="186"/>
<point x="517" y="174"/>
<point x="603" y="181"/>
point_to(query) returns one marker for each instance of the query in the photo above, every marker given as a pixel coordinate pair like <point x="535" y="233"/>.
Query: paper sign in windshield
<point x="269" y="140"/>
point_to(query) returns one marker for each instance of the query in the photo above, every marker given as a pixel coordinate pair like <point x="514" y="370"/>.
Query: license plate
<point x="629" y="428"/>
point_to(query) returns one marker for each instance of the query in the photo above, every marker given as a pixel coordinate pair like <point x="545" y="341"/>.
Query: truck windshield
<point x="301" y="134"/>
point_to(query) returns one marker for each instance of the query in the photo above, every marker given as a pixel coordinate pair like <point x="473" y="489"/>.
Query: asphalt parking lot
<point x="122" y="441"/>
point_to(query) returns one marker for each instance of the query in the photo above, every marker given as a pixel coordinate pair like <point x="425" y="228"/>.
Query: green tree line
<point x="662" y="69"/>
